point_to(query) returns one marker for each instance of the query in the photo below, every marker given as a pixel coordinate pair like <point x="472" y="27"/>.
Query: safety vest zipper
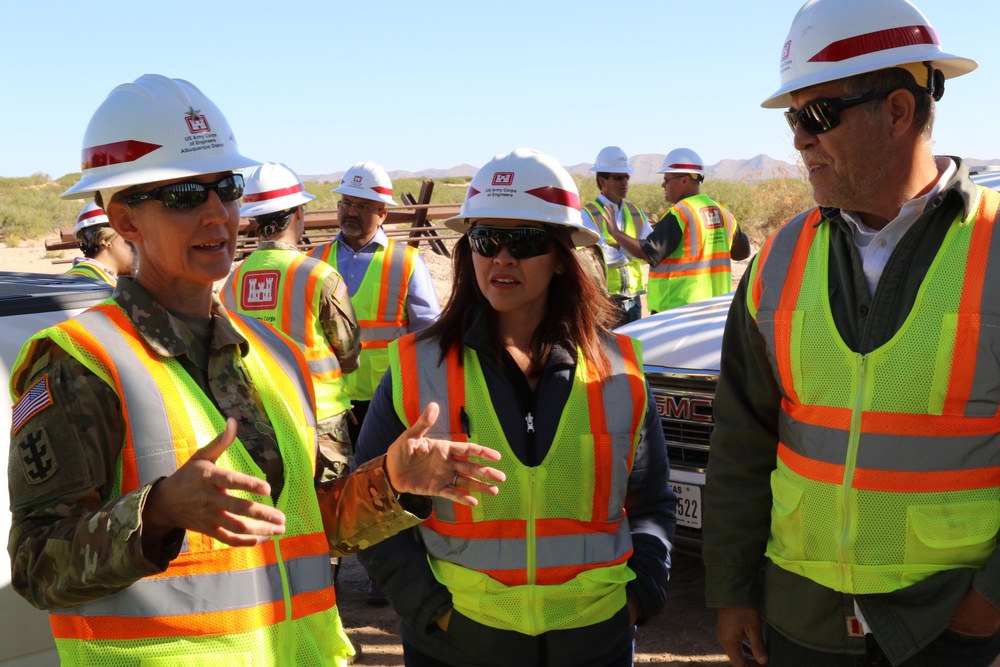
<point x="850" y="464"/>
<point x="532" y="556"/>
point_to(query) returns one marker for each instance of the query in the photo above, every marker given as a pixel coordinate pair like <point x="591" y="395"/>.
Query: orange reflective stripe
<point x="967" y="335"/>
<point x="456" y="399"/>
<point x="892" y="423"/>
<point x="636" y="381"/>
<point x="407" y="346"/>
<point x="549" y="576"/>
<point x="789" y="301"/>
<point x="870" y="479"/>
<point x="602" y="444"/>
<point x="496" y="529"/>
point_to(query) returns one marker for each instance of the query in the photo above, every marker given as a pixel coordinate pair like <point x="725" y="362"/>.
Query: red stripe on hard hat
<point x="271" y="194"/>
<point x="873" y="42"/>
<point x="471" y="193"/>
<point x="382" y="191"/>
<point x="90" y="214"/>
<point x="681" y="165"/>
<point x="556" y="196"/>
<point x="116" y="153"/>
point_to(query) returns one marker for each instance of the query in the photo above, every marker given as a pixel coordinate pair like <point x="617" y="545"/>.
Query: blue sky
<point x="414" y="85"/>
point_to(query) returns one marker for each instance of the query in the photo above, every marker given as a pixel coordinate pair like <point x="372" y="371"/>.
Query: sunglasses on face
<point x="823" y="115"/>
<point x="521" y="242"/>
<point x="619" y="177"/>
<point x="191" y="195"/>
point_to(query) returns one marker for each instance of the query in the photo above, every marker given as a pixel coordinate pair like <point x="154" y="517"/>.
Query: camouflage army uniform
<point x="336" y="317"/>
<point x="70" y="541"/>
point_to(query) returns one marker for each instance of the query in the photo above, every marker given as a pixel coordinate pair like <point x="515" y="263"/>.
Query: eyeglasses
<point x="672" y="178"/>
<point x="191" y="195"/>
<point x="823" y="115"/>
<point x="521" y="242"/>
<point x="359" y="207"/>
<point x="619" y="177"/>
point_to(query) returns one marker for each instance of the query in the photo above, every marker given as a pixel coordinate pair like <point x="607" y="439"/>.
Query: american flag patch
<point x="34" y="401"/>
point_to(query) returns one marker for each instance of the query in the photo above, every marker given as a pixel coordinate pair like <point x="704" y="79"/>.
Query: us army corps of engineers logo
<point x="259" y="290"/>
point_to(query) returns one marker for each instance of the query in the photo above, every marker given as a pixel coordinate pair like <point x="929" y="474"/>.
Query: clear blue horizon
<point x="413" y="86"/>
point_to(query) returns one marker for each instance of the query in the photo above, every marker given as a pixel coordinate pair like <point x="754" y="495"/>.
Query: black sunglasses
<point x="823" y="115"/>
<point x="191" y="195"/>
<point x="619" y="177"/>
<point x="521" y="242"/>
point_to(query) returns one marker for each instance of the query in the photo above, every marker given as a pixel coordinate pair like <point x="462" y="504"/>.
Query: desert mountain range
<point x="645" y="166"/>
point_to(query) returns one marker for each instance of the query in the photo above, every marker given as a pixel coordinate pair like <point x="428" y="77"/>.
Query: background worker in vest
<point x="386" y="309"/>
<point x="625" y="280"/>
<point x="301" y="296"/>
<point x="405" y="303"/>
<point x="523" y="359"/>
<point x="106" y="255"/>
<point x="856" y="454"/>
<point x="690" y="249"/>
<point x="163" y="450"/>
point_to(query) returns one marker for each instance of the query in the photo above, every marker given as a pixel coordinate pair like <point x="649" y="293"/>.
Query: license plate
<point x="688" y="504"/>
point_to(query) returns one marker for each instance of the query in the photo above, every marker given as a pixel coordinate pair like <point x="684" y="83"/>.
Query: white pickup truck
<point x="29" y="302"/>
<point x="681" y="351"/>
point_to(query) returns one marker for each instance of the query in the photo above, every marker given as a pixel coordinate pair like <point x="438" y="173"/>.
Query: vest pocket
<point x="786" y="541"/>
<point x="954" y="534"/>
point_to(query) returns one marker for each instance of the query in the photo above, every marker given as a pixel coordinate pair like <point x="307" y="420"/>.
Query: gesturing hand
<point x="196" y="497"/>
<point x="429" y="467"/>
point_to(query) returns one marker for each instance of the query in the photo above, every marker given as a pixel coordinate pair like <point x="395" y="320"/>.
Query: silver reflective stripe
<point x="700" y="264"/>
<point x="912" y="453"/>
<point x="512" y="553"/>
<point x="152" y="436"/>
<point x="387" y="333"/>
<point x="324" y="365"/>
<point x="295" y="297"/>
<point x="284" y="357"/>
<point x="432" y="385"/>
<point x="395" y="291"/>
<point x="221" y="591"/>
<point x="617" y="395"/>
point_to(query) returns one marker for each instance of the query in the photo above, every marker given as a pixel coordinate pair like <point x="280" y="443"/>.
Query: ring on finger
<point x="454" y="481"/>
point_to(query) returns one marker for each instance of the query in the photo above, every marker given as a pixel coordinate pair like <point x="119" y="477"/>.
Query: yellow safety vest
<point x="380" y="306"/>
<point x="270" y="605"/>
<point x="888" y="465"/>
<point x="626" y="279"/>
<point x="549" y="552"/>
<point x="88" y="268"/>
<point x="284" y="288"/>
<point x="700" y="267"/>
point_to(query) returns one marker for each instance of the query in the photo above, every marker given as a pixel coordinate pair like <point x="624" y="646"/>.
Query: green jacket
<point x="744" y="442"/>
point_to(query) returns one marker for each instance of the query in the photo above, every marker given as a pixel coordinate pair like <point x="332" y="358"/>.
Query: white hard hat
<point x="612" y="160"/>
<point x="682" y="161"/>
<point x="154" y="129"/>
<point x="833" y="39"/>
<point x="524" y="185"/>
<point x="91" y="215"/>
<point x="270" y="188"/>
<point x="367" y="180"/>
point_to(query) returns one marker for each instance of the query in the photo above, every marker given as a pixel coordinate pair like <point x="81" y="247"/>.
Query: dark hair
<point x="895" y="78"/>
<point x="576" y="308"/>
<point x="600" y="175"/>
<point x="90" y="239"/>
<point x="270" y="225"/>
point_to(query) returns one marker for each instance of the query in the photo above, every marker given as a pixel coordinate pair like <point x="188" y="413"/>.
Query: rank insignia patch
<point x="38" y="461"/>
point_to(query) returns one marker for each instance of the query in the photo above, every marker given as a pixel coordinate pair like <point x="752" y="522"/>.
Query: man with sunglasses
<point x="623" y="272"/>
<point x="855" y="453"/>
<point x="164" y="488"/>
<point x="690" y="249"/>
